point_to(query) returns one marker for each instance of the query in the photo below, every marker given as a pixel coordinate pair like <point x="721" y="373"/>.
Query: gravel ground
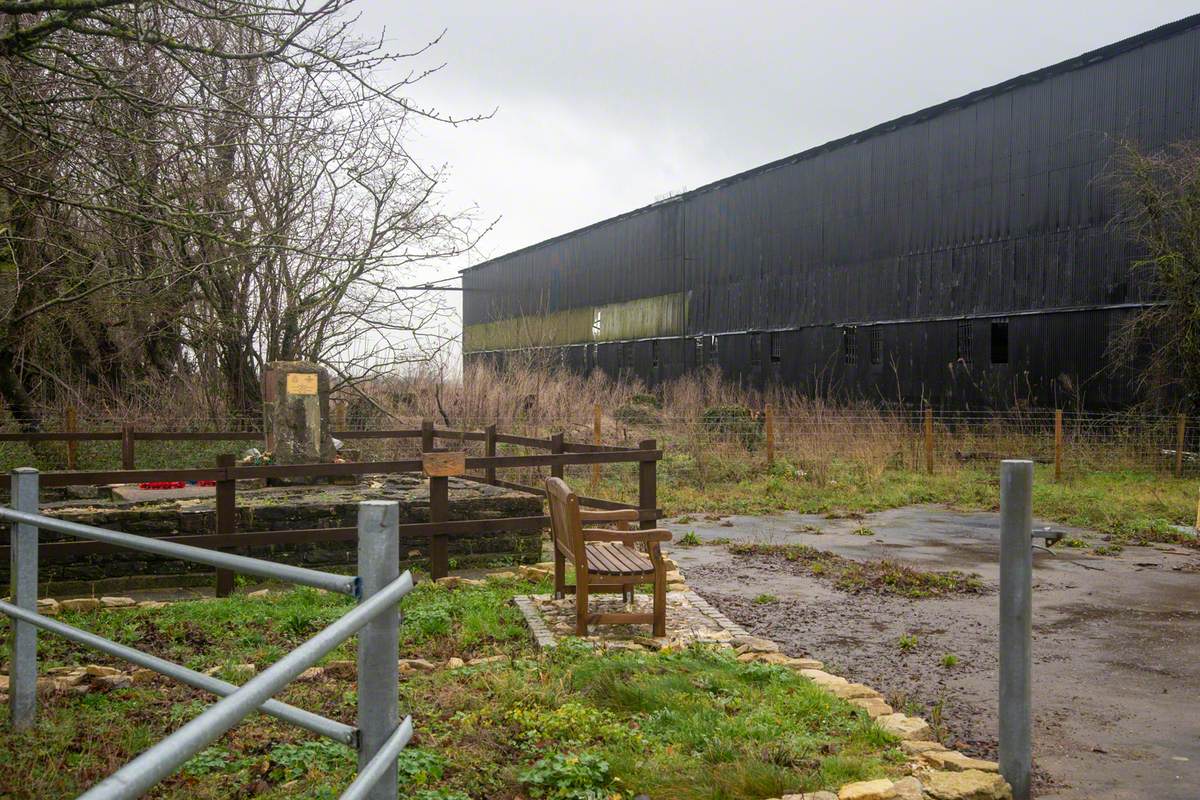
<point x="1116" y="643"/>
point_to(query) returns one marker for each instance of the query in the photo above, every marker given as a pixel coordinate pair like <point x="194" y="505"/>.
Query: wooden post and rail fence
<point x="559" y="455"/>
<point x="128" y="436"/>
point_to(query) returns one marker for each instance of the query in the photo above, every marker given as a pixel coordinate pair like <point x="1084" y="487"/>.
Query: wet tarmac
<point x="1116" y="639"/>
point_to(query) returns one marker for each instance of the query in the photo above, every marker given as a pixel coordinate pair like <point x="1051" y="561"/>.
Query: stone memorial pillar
<point x="298" y="413"/>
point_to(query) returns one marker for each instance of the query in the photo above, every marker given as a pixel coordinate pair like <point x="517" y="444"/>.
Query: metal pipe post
<point x="1016" y="620"/>
<point x="378" y="642"/>
<point x="23" y="571"/>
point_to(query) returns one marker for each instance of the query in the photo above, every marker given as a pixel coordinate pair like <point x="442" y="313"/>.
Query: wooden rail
<point x="129" y="436"/>
<point x="438" y="530"/>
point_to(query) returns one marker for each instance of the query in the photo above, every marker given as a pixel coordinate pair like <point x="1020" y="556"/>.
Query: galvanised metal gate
<point x="379" y="736"/>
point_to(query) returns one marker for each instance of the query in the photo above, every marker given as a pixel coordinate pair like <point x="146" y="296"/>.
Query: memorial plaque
<point x="302" y="383"/>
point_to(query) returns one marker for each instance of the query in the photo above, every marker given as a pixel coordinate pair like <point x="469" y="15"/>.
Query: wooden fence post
<point x="648" y="484"/>
<point x="72" y="445"/>
<point x="1058" y="444"/>
<point x="439" y="511"/>
<point x="929" y="439"/>
<point x="770" y="431"/>
<point x="556" y="447"/>
<point x="1198" y="514"/>
<point x="1180" y="431"/>
<point x="426" y="436"/>
<point x="596" y="440"/>
<point x="489" y="450"/>
<point x="127" y="458"/>
<point x="226" y="522"/>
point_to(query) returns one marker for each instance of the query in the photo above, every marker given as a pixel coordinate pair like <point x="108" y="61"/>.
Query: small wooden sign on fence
<point x="444" y="465"/>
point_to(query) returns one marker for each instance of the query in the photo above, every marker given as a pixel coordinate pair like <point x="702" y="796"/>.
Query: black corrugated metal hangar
<point x="963" y="254"/>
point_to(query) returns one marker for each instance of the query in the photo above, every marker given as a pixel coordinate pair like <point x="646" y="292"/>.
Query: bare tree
<point x="1160" y="194"/>
<point x="195" y="188"/>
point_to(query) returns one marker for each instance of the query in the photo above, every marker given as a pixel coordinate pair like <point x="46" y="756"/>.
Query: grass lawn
<point x="691" y="723"/>
<point x="1130" y="506"/>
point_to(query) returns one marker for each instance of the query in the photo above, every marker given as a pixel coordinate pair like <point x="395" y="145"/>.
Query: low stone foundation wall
<point x="280" y="509"/>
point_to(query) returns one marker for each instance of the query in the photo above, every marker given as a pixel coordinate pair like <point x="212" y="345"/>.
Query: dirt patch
<point x="884" y="576"/>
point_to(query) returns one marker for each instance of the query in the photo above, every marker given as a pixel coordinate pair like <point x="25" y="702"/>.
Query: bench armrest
<point x="619" y="515"/>
<point x="626" y="537"/>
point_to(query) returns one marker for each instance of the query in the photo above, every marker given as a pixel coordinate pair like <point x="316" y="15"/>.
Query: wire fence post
<point x="770" y="433"/>
<point x="127" y="456"/>
<point x="23" y="569"/>
<point x="648" y="484"/>
<point x="226" y="520"/>
<point x="929" y="439"/>
<point x="379" y="640"/>
<point x="1058" y="444"/>
<point x="595" y="440"/>
<point x="489" y="450"/>
<point x="1180" y="431"/>
<point x="1016" y="618"/>
<point x="69" y="425"/>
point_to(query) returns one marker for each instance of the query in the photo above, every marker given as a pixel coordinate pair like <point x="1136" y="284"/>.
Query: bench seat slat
<point x="617" y="559"/>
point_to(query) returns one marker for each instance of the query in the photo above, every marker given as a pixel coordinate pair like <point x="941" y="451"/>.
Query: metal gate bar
<point x="379" y="588"/>
<point x="322" y="726"/>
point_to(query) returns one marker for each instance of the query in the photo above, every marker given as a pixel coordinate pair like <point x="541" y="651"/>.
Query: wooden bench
<point x="605" y="560"/>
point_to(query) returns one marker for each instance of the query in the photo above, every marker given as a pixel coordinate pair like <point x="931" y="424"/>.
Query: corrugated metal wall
<point x="994" y="205"/>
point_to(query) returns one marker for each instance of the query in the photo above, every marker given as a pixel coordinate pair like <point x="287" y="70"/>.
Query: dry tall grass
<point x="810" y="433"/>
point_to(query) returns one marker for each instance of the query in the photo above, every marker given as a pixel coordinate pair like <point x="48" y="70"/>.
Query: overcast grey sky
<point x="604" y="107"/>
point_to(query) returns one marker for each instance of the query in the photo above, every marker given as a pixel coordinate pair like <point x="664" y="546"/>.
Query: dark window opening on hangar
<point x="964" y="341"/>
<point x="591" y="356"/>
<point x="627" y="357"/>
<point x="876" y="345"/>
<point x="1000" y="341"/>
<point x="776" y="351"/>
<point x="850" y="345"/>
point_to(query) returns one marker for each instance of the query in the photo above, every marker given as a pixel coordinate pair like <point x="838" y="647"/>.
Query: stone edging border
<point x="934" y="772"/>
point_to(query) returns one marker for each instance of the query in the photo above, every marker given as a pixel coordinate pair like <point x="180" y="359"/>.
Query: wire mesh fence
<point x="882" y="438"/>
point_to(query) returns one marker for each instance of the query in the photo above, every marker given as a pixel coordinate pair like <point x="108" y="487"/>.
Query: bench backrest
<point x="565" y="525"/>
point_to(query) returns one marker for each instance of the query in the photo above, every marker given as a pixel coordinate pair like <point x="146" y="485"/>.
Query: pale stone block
<point x="881" y="789"/>
<point x="972" y="784"/>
